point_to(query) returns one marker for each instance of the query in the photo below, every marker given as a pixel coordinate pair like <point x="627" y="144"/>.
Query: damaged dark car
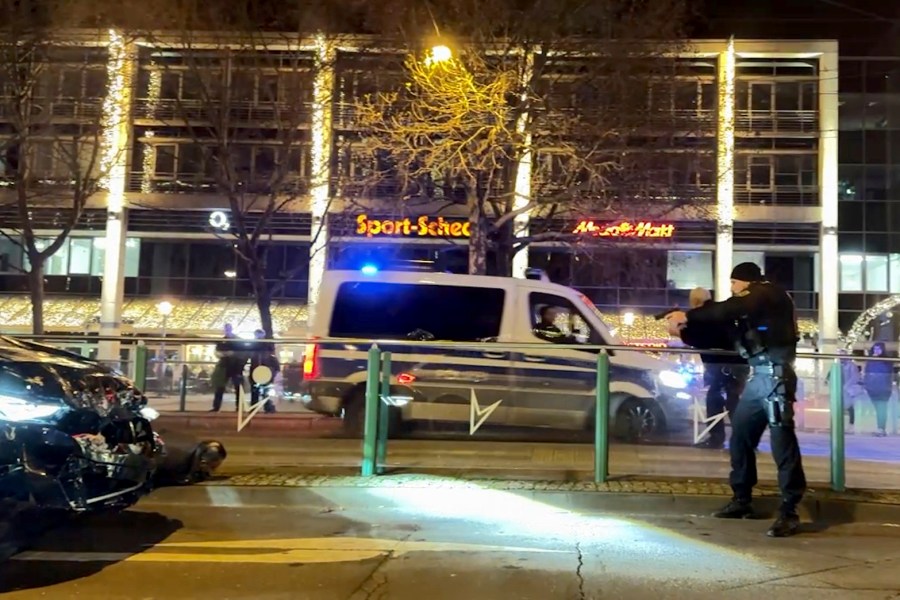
<point x="78" y="436"/>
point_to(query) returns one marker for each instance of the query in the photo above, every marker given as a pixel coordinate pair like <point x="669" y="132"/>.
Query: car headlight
<point x="16" y="409"/>
<point x="673" y="380"/>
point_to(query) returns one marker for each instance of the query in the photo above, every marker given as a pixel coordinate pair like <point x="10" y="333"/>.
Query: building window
<point x="871" y="273"/>
<point x="876" y="273"/>
<point x="852" y="272"/>
<point x="894" y="273"/>
<point x="689" y="269"/>
<point x="757" y="258"/>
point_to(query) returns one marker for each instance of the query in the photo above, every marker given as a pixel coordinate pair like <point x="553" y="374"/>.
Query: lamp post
<point x="165" y="309"/>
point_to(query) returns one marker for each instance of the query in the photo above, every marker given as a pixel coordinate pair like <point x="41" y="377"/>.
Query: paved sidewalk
<point x="405" y="543"/>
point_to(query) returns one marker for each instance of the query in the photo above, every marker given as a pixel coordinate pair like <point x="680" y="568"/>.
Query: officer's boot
<point x="786" y="525"/>
<point x="736" y="509"/>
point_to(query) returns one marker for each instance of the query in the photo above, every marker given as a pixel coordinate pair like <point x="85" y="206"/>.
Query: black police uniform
<point x="725" y="375"/>
<point x="765" y="317"/>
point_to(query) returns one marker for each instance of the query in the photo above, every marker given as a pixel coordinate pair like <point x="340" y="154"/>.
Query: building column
<point x="320" y="197"/>
<point x="725" y="173"/>
<point x="116" y="134"/>
<point x="829" y="279"/>
<point x="522" y="190"/>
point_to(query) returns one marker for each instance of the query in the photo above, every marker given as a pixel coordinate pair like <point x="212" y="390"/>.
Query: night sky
<point x="864" y="27"/>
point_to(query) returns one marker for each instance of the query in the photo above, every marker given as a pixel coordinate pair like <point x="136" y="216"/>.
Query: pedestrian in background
<point x="229" y="369"/>
<point x="879" y="384"/>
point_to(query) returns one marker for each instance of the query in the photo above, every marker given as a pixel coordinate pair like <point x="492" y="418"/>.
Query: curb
<point x="692" y="497"/>
<point x="227" y="422"/>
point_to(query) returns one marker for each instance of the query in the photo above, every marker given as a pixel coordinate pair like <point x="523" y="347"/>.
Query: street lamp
<point x="628" y="319"/>
<point x="165" y="309"/>
<point x="438" y="54"/>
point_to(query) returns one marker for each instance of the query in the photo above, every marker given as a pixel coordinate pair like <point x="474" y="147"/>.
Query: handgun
<point x="665" y="313"/>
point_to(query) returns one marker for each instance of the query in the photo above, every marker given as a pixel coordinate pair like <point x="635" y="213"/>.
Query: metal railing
<point x="379" y="379"/>
<point x="779" y="196"/>
<point x="179" y="112"/>
<point x="203" y="184"/>
<point x="777" y="121"/>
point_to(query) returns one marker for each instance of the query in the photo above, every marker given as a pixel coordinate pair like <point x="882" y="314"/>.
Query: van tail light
<point x="405" y="378"/>
<point x="311" y="361"/>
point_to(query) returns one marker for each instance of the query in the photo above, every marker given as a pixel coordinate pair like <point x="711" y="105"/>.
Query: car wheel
<point x="355" y="416"/>
<point x="638" y="420"/>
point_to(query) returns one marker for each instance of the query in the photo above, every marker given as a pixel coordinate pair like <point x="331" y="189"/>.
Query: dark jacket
<point x="879" y="378"/>
<point x="765" y="318"/>
<point x="712" y="338"/>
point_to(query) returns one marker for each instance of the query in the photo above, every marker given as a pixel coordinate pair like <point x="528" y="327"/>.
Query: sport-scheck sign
<point x="423" y="226"/>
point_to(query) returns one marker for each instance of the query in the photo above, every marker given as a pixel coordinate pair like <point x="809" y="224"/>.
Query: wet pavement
<point x="468" y="542"/>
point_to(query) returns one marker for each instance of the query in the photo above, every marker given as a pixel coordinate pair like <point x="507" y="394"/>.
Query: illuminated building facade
<point x="764" y="162"/>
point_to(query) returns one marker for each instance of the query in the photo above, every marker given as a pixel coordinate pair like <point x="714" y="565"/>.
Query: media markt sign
<point x="424" y="226"/>
<point x="625" y="229"/>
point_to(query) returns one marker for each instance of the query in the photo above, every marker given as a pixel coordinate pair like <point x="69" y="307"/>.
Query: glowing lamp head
<point x="369" y="270"/>
<point x="165" y="308"/>
<point x="439" y="54"/>
<point x="628" y="319"/>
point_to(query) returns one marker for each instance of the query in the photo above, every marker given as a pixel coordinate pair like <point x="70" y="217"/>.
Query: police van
<point x="538" y="385"/>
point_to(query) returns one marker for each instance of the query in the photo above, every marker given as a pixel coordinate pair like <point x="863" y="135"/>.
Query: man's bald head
<point x="699" y="296"/>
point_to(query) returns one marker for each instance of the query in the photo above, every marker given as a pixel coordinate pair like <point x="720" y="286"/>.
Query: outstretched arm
<point x="718" y="313"/>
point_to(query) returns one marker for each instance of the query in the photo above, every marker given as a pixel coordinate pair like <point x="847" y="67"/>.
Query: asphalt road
<point x="382" y="543"/>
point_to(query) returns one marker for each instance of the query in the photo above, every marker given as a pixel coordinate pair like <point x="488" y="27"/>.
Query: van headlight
<point x="673" y="380"/>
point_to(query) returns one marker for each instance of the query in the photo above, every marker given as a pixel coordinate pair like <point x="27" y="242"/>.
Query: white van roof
<point x="335" y="278"/>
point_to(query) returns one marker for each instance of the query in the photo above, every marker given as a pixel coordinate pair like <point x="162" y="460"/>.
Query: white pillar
<point x="828" y="198"/>
<point x="522" y="190"/>
<point x="116" y="133"/>
<point x="112" y="294"/>
<point x="323" y="88"/>
<point x="725" y="174"/>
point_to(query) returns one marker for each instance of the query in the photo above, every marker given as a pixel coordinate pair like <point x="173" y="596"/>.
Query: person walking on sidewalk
<point x="263" y="355"/>
<point x="853" y="392"/>
<point x="879" y="384"/>
<point x="229" y="369"/>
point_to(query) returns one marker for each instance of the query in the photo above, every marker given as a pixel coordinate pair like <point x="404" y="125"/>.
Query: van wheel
<point x="355" y="417"/>
<point x="638" y="420"/>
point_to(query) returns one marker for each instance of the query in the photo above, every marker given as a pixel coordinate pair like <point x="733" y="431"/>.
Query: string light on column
<point x="115" y="107"/>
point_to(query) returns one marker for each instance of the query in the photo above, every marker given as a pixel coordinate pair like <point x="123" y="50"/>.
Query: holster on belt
<point x="779" y="409"/>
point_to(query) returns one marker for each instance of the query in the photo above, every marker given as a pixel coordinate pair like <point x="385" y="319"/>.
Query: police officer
<point x="767" y="336"/>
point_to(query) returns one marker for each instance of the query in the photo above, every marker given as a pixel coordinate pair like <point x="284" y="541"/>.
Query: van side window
<point x="401" y="311"/>
<point x="556" y="319"/>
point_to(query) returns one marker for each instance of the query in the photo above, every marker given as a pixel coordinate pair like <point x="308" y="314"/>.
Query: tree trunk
<point x="504" y="250"/>
<point x="478" y="240"/>
<point x="36" y="288"/>
<point x="263" y="305"/>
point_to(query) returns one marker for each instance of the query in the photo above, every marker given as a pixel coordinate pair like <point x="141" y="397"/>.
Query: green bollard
<point x="370" y="423"/>
<point x="383" y="420"/>
<point x="601" y="427"/>
<point x="836" y="396"/>
<point x="140" y="367"/>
